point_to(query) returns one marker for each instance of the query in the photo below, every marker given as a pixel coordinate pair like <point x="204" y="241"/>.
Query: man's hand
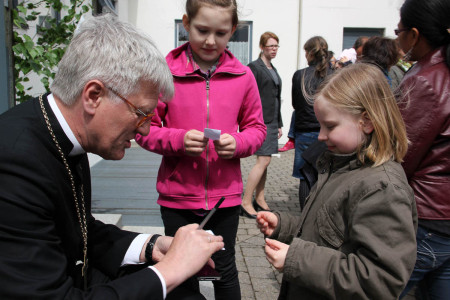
<point x="189" y="251"/>
<point x="225" y="146"/>
<point x="195" y="142"/>
<point x="161" y="247"/>
<point x="276" y="253"/>
<point x="266" y="222"/>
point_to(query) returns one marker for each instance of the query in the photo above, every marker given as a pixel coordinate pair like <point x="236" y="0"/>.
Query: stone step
<point x="114" y="219"/>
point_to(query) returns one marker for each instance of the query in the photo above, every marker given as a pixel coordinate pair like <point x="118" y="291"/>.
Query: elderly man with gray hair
<point x="105" y="92"/>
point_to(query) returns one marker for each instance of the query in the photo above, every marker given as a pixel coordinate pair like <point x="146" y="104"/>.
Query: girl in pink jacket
<point x="213" y="90"/>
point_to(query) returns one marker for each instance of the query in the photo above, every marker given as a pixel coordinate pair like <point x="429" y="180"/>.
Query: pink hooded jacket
<point x="228" y="101"/>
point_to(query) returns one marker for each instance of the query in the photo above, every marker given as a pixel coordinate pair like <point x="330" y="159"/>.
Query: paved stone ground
<point x="259" y="280"/>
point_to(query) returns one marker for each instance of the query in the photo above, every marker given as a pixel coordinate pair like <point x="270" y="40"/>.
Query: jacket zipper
<point x="207" y="124"/>
<point x="207" y="148"/>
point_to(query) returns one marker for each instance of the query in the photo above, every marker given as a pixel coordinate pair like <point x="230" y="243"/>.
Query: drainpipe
<point x="6" y="71"/>
<point x="299" y="47"/>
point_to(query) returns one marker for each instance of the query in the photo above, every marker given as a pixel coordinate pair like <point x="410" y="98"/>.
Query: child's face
<point x="340" y="130"/>
<point x="209" y="33"/>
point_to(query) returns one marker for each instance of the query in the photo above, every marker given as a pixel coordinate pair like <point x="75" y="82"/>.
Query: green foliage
<point x="41" y="55"/>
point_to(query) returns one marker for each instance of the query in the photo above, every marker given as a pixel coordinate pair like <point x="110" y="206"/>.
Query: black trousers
<point x="224" y="222"/>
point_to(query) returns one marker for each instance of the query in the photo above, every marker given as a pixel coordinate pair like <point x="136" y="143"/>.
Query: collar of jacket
<point x="180" y="66"/>
<point x="433" y="57"/>
<point x="330" y="161"/>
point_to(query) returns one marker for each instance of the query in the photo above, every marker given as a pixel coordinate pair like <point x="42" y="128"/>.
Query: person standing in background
<point x="213" y="90"/>
<point x="351" y="55"/>
<point x="269" y="86"/>
<point x="424" y="35"/>
<point x="304" y="85"/>
<point x="381" y="52"/>
<point x="398" y="71"/>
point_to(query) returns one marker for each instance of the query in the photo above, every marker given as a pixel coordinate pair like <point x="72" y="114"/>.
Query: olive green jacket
<point x="356" y="238"/>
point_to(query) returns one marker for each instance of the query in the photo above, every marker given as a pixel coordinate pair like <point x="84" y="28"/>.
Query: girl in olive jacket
<point x="355" y="238"/>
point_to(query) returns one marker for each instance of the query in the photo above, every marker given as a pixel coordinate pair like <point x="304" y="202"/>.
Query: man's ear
<point x="93" y="94"/>
<point x="366" y="123"/>
<point x="186" y="23"/>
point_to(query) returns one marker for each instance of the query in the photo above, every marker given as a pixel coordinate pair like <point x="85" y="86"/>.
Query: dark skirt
<point x="270" y="145"/>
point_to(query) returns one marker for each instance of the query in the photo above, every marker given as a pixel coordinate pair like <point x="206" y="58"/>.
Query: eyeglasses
<point x="272" y="46"/>
<point x="397" y="31"/>
<point x="146" y="117"/>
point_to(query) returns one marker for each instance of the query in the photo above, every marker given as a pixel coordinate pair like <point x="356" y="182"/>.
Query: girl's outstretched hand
<point x="266" y="222"/>
<point x="276" y="253"/>
<point x="195" y="142"/>
<point x="225" y="146"/>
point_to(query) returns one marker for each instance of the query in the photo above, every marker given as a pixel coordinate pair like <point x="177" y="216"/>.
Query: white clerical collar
<point x="77" y="149"/>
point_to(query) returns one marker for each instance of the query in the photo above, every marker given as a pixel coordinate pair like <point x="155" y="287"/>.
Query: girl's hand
<point x="280" y="133"/>
<point x="225" y="146"/>
<point x="266" y="222"/>
<point x="276" y="253"/>
<point x="195" y="142"/>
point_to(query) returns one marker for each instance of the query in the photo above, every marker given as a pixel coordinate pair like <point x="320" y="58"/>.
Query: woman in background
<point x="269" y="86"/>
<point x="424" y="35"/>
<point x="304" y="85"/>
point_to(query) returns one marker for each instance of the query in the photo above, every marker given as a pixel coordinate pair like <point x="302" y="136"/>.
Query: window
<point x="45" y="22"/>
<point x="239" y="44"/>
<point x="104" y="6"/>
<point x="351" y="34"/>
<point x="241" y="41"/>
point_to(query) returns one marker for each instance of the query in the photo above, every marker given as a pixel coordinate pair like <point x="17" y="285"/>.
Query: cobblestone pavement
<point x="258" y="279"/>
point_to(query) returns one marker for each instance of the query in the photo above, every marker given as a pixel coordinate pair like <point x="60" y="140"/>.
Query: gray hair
<point x="114" y="52"/>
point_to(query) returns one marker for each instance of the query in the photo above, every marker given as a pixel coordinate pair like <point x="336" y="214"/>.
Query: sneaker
<point x="288" y="146"/>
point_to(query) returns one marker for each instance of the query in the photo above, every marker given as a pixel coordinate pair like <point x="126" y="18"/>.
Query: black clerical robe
<point x="40" y="235"/>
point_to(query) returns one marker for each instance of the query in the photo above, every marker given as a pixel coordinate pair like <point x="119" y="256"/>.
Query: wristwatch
<point x="149" y="249"/>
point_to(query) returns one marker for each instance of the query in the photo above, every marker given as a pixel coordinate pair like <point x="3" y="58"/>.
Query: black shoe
<point x="258" y="207"/>
<point x="246" y="214"/>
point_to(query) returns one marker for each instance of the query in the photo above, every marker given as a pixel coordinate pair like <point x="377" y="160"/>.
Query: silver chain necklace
<point x="81" y="217"/>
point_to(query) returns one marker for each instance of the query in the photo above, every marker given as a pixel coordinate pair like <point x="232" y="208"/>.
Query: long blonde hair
<point x="363" y="88"/>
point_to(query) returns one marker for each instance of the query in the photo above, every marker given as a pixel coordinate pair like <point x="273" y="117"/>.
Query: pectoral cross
<point x="84" y="268"/>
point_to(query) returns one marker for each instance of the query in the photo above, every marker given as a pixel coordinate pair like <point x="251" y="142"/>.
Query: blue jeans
<point x="432" y="270"/>
<point x="291" y="133"/>
<point x="302" y="141"/>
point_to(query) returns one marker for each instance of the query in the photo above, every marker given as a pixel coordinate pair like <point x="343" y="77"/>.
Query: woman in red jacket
<point x="424" y="35"/>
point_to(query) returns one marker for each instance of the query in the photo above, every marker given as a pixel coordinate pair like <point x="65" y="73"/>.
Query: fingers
<point x="225" y="146"/>
<point x="195" y="142"/>
<point x="276" y="253"/>
<point x="266" y="218"/>
<point x="211" y="263"/>
<point x="274" y="244"/>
